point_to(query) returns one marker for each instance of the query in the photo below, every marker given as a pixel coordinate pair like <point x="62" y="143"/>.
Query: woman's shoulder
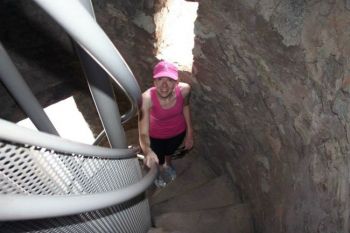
<point x="148" y="92"/>
<point x="146" y="98"/>
<point x="185" y="88"/>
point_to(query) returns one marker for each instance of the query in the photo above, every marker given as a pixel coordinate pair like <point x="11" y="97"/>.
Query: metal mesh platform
<point x="115" y="219"/>
<point x="32" y="170"/>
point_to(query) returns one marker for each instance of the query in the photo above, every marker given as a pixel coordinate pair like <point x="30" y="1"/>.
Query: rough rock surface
<point x="272" y="83"/>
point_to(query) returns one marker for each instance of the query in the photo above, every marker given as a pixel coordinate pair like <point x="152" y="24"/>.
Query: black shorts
<point x="163" y="147"/>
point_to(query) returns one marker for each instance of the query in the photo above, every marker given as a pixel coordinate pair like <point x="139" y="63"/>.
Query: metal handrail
<point x="99" y="138"/>
<point x="25" y="98"/>
<point x="14" y="133"/>
<point x="82" y="27"/>
<point x="24" y="207"/>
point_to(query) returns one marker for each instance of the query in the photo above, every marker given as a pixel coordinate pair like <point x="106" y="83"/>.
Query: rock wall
<point x="271" y="107"/>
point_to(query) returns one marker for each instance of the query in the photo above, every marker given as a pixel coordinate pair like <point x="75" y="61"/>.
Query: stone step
<point x="210" y="194"/>
<point x="198" y="201"/>
<point x="191" y="173"/>
<point x="228" y="219"/>
<point x="157" y="230"/>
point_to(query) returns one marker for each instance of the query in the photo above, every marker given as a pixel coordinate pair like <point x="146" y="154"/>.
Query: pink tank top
<point x="166" y="123"/>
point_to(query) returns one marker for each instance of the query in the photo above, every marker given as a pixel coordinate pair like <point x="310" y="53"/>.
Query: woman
<point x="165" y="120"/>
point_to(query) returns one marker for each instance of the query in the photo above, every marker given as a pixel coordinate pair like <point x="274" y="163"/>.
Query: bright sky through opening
<point x="175" y="35"/>
<point x="68" y="121"/>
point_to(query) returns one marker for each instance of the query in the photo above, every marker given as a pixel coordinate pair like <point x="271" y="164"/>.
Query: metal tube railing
<point x="18" y="88"/>
<point x="102" y="93"/>
<point x="79" y="24"/>
<point x="99" y="138"/>
<point x="23" y="207"/>
<point x="105" y="102"/>
<point x="15" y="133"/>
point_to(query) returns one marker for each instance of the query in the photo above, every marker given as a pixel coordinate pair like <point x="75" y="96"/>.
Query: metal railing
<point x="45" y="176"/>
<point x="21" y="207"/>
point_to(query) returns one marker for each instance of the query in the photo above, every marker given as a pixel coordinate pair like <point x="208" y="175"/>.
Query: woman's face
<point x="165" y="86"/>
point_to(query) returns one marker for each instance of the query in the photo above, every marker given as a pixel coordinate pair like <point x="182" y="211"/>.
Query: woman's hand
<point x="151" y="158"/>
<point x="188" y="141"/>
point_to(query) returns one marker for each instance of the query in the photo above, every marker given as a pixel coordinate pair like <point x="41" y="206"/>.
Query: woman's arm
<point x="144" y="139"/>
<point x="186" y="93"/>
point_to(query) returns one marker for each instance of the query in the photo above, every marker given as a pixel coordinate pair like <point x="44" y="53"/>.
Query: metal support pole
<point x="102" y="93"/>
<point x="74" y="18"/>
<point x="18" y="88"/>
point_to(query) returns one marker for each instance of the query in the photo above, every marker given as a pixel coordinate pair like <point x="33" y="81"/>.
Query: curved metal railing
<point x="23" y="207"/>
<point x="14" y="133"/>
<point x="82" y="27"/>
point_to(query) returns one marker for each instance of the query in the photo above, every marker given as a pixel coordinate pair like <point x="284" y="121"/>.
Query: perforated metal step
<point x="36" y="171"/>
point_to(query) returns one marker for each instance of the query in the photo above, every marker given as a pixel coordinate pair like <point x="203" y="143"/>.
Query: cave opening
<point x="175" y="32"/>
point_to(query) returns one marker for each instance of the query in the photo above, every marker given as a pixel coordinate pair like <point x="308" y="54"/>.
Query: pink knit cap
<point x="165" y="69"/>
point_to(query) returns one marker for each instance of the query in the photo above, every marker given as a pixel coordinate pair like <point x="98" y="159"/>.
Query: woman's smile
<point x="165" y="87"/>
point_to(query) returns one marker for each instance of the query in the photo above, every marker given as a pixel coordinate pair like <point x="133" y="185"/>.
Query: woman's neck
<point x="166" y="98"/>
<point x="167" y="102"/>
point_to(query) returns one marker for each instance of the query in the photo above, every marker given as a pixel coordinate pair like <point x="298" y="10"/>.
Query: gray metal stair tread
<point x="232" y="219"/>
